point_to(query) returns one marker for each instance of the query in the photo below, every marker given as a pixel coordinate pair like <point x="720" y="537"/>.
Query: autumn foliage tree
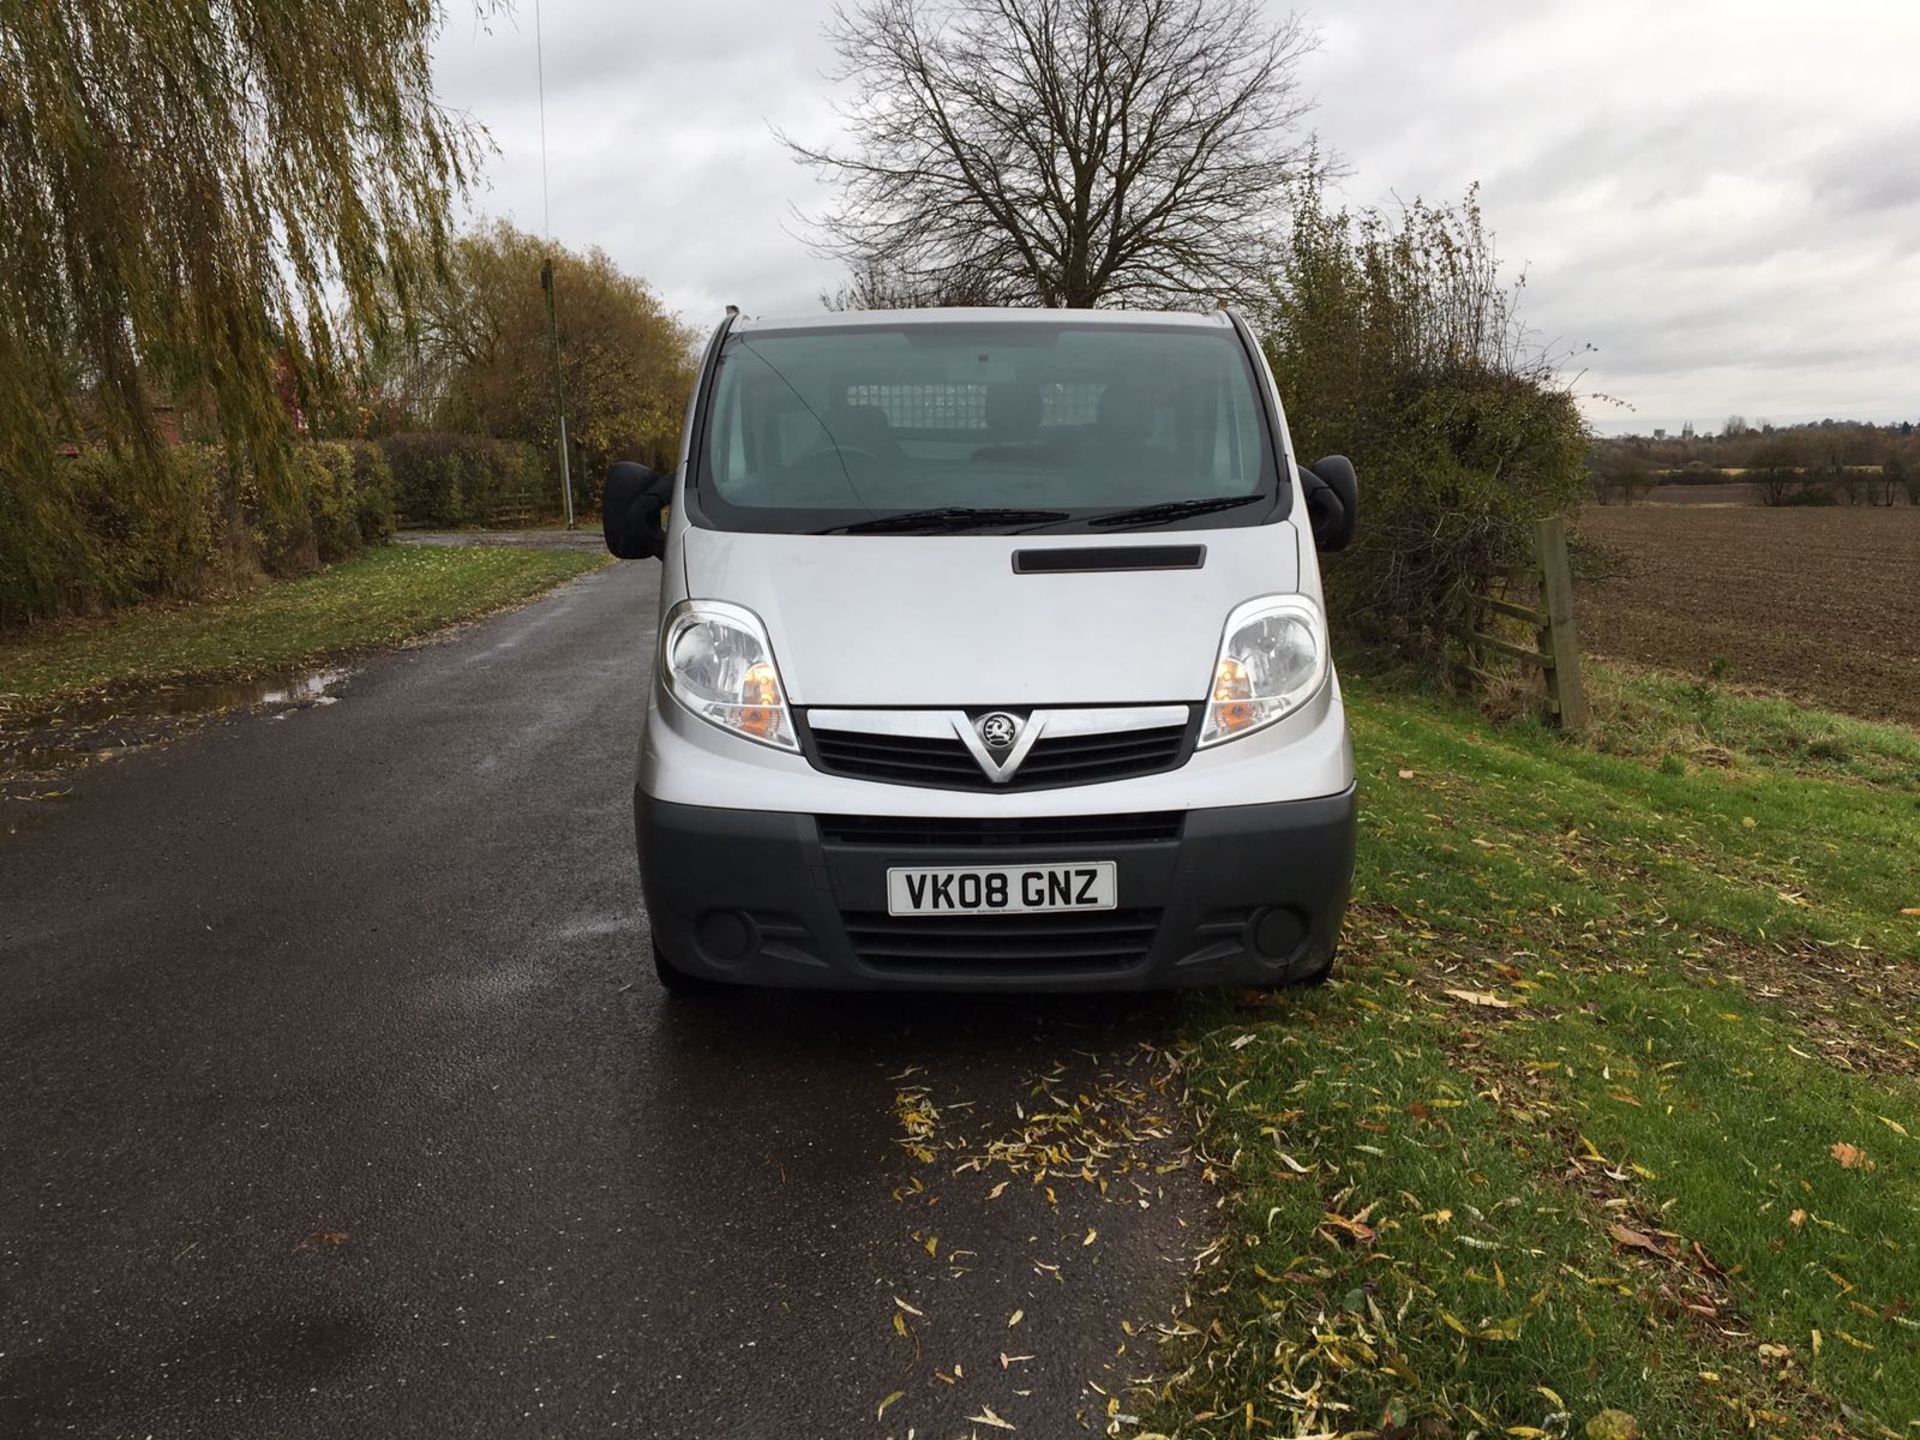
<point x="482" y="360"/>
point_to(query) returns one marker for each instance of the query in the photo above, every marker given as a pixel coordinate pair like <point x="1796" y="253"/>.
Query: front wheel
<point x="678" y="983"/>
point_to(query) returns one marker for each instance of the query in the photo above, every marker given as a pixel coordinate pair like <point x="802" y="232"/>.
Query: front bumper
<point x="1241" y="895"/>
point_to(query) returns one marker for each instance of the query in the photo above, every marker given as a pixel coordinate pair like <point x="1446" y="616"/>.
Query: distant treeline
<point x="1828" y="462"/>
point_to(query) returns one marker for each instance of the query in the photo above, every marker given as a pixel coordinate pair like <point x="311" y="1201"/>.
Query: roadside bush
<point x="1395" y="343"/>
<point x="448" y="479"/>
<point x="113" y="528"/>
<point x="116" y="531"/>
<point x="373" y="492"/>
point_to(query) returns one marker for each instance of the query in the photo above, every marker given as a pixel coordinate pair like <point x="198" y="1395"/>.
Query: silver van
<point x="991" y="655"/>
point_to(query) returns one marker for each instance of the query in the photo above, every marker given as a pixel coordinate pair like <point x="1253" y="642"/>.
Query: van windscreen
<point x="1062" y="425"/>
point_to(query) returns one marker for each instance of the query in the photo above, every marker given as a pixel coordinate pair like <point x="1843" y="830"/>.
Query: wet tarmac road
<point x="337" y="1098"/>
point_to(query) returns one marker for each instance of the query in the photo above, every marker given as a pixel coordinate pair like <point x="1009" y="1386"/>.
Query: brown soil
<point x="1822" y="604"/>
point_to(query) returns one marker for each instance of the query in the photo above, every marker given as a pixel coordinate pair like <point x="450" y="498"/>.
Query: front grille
<point x="912" y="832"/>
<point x="946" y="763"/>
<point x="1082" y="759"/>
<point x="900" y="759"/>
<point x="1094" y="940"/>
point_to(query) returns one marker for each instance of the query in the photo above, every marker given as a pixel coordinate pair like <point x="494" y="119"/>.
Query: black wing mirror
<point x="630" y="511"/>
<point x="1333" y="500"/>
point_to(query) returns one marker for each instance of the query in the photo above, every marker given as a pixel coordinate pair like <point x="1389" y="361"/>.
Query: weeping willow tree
<point x="201" y="200"/>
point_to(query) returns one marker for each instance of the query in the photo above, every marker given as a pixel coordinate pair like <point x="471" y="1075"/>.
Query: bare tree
<point x="1621" y="472"/>
<point x="873" y="286"/>
<point x="1777" y="469"/>
<point x="1063" y="152"/>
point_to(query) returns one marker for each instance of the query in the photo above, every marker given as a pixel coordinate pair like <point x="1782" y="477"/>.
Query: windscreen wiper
<point x="1174" y="509"/>
<point x="1162" y="510"/>
<point x="945" y="517"/>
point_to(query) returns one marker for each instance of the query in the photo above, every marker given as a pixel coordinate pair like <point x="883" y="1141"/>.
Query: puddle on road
<point x="106" y="727"/>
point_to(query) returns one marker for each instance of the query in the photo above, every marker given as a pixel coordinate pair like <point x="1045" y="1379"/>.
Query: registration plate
<point x="1002" y="889"/>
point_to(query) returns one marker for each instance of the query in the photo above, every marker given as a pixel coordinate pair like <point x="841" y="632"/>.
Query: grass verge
<point x="1615" y="1106"/>
<point x="384" y="597"/>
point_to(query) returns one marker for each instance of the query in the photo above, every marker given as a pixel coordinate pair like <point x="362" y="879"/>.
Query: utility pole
<point x="559" y="394"/>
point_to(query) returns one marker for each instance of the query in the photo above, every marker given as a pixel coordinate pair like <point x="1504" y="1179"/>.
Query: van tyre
<point x="677" y="982"/>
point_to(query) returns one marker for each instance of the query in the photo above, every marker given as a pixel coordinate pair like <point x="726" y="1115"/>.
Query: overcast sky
<point x="1723" y="199"/>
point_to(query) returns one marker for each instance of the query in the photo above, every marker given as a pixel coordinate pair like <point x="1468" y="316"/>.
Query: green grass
<point x="1650" y="714"/>
<point x="1687" y="979"/>
<point x="384" y="597"/>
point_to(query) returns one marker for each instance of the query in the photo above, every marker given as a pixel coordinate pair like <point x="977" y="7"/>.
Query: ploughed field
<point x="1822" y="604"/>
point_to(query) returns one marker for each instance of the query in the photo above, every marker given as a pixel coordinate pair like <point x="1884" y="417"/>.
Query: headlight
<point x="1273" y="657"/>
<point x="717" y="662"/>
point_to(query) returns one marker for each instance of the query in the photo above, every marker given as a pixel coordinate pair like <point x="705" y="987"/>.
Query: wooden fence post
<point x="1561" y="637"/>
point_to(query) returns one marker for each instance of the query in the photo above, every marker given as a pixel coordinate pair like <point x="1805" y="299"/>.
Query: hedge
<point x="115" y="528"/>
<point x="449" y="479"/>
<point x="1395" y="343"/>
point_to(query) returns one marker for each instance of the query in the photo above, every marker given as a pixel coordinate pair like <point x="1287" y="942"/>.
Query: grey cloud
<point x="1726" y="235"/>
<point x="1869" y="174"/>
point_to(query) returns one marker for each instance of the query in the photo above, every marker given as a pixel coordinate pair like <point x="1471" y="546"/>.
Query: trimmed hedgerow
<point x="449" y="479"/>
<point x="112" y="527"/>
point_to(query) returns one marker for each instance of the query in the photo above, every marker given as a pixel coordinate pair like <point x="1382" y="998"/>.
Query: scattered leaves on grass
<point x="1851" y="1157"/>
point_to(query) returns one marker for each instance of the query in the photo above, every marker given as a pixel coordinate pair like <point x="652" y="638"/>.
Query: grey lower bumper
<point x="1248" y="895"/>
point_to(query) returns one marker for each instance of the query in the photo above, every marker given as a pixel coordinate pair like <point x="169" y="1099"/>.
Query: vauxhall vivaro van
<point x="991" y="655"/>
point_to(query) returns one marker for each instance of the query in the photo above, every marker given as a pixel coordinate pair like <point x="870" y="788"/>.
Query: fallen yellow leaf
<point x="1613" y="1425"/>
<point x="886" y="1402"/>
<point x="1483" y="999"/>
<point x="1015" y="1318"/>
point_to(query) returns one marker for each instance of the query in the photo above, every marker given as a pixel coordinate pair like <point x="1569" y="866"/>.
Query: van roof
<point x="893" y="319"/>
